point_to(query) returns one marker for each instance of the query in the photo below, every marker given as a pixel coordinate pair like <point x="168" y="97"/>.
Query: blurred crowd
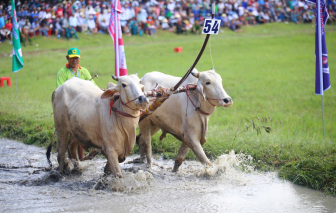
<point x="65" y="19"/>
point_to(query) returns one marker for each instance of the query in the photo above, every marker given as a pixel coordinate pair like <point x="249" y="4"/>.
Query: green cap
<point x="73" y="52"/>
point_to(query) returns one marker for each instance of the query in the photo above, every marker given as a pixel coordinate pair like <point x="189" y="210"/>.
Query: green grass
<point x="268" y="70"/>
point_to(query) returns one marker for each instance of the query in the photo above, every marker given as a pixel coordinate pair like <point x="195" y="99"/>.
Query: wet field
<point x="27" y="185"/>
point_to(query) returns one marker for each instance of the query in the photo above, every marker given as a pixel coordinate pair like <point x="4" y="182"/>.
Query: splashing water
<point x="228" y="163"/>
<point x="230" y="185"/>
<point x="225" y="165"/>
<point x="130" y="182"/>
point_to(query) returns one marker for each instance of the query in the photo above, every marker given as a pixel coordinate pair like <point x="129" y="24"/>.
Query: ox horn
<point x="115" y="78"/>
<point x="195" y="74"/>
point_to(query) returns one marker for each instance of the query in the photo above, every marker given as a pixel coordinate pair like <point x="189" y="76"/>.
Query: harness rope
<point x="125" y="104"/>
<point x="196" y="108"/>
<point x="188" y="93"/>
<point x="212" y="99"/>
<point x="112" y="108"/>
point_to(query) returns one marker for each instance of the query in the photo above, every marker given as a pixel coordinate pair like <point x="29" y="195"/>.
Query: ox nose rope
<point x="112" y="108"/>
<point x="196" y="108"/>
<point x="213" y="99"/>
<point x="216" y="99"/>
<point x="125" y="104"/>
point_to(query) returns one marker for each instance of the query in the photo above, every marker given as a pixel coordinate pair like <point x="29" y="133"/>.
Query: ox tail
<point x="49" y="149"/>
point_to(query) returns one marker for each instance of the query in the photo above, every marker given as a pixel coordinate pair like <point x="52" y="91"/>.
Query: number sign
<point x="211" y="26"/>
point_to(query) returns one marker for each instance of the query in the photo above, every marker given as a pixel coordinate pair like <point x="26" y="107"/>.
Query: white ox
<point x="178" y="116"/>
<point x="83" y="110"/>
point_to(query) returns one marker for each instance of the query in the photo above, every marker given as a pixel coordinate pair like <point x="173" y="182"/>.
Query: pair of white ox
<point x="84" y="110"/>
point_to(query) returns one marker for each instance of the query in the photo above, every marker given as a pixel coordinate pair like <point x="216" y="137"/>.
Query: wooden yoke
<point x="163" y="94"/>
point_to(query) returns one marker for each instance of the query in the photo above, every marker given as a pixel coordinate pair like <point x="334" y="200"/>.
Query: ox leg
<point x="146" y="131"/>
<point x="142" y="149"/>
<point x="146" y="148"/>
<point x="72" y="149"/>
<point x="183" y="151"/>
<point x="148" y="144"/>
<point x="113" y="163"/>
<point x="144" y="127"/>
<point x="197" y="148"/>
<point x="107" y="168"/>
<point x="62" y="148"/>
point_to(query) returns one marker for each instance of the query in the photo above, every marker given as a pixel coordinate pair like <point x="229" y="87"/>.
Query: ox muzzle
<point x="227" y="102"/>
<point x="141" y="101"/>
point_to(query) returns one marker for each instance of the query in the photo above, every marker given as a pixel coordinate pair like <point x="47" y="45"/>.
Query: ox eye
<point x="207" y="83"/>
<point x="123" y="85"/>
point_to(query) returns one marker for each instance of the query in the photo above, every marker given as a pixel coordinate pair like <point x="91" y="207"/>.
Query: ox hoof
<point x="175" y="169"/>
<point x="107" y="170"/>
<point x="177" y="164"/>
<point x="76" y="164"/>
<point x="64" y="172"/>
<point x="149" y="165"/>
<point x="138" y="160"/>
<point x="53" y="176"/>
<point x="68" y="165"/>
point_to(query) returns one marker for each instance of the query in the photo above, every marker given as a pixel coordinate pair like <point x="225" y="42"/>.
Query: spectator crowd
<point x="65" y="19"/>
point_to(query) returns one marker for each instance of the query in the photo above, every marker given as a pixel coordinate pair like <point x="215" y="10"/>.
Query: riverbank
<point x="267" y="70"/>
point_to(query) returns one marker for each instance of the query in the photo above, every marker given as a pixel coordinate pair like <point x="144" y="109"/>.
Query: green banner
<point x="17" y="52"/>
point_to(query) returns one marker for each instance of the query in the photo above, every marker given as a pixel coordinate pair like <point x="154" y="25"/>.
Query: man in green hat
<point x="72" y="69"/>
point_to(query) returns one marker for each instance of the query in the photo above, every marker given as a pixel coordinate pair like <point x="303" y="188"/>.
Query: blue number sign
<point x="211" y="26"/>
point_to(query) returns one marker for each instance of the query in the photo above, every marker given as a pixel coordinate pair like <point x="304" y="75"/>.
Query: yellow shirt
<point x="66" y="73"/>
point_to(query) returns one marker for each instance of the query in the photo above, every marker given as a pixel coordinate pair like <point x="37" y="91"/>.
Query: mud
<point x="231" y="185"/>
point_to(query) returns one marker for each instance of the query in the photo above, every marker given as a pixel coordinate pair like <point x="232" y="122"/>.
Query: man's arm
<point x="60" y="78"/>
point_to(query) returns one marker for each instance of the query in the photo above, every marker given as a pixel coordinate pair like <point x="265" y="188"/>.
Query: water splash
<point x="230" y="185"/>
<point x="229" y="163"/>
<point x="224" y="165"/>
<point x="142" y="180"/>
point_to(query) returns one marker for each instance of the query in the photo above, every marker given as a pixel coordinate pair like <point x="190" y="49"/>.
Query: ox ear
<point x="200" y="88"/>
<point x="108" y="94"/>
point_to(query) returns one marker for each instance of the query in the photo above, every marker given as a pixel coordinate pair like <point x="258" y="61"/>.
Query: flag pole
<point x="16" y="82"/>
<point x="319" y="38"/>
<point x="323" y="118"/>
<point x="117" y="39"/>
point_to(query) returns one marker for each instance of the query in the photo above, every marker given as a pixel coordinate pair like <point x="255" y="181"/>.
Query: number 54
<point x="211" y="26"/>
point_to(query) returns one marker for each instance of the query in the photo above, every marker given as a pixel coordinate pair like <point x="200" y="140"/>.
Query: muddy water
<point x="26" y="185"/>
